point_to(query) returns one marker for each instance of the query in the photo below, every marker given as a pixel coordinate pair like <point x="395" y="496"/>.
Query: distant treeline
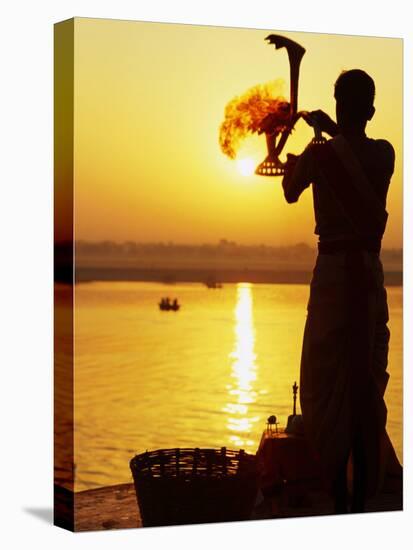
<point x="223" y="249"/>
<point x="222" y="261"/>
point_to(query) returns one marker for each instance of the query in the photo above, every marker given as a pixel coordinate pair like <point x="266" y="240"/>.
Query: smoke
<point x="245" y="115"/>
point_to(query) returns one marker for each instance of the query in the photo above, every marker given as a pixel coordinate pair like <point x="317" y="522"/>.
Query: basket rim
<point x="192" y="462"/>
<point x="201" y="449"/>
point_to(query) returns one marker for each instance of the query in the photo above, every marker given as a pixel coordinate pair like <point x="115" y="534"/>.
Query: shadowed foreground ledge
<point x="115" y="507"/>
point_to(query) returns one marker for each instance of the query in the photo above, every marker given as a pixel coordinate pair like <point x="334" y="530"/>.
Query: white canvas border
<point x="26" y="270"/>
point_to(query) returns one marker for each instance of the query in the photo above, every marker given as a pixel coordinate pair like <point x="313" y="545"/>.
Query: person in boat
<point x="345" y="345"/>
<point x="175" y="304"/>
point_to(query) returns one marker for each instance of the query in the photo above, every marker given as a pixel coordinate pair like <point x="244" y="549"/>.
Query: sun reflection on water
<point x="244" y="371"/>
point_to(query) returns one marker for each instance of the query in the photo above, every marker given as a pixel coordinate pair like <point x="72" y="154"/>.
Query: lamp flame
<point x="246" y="114"/>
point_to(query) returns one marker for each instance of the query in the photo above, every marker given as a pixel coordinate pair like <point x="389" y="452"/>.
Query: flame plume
<point x="259" y="110"/>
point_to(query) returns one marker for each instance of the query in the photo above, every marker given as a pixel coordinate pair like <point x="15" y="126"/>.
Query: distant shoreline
<point x="222" y="262"/>
<point x="176" y="275"/>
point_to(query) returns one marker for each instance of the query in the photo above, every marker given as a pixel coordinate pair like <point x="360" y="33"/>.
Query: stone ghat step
<point x="112" y="507"/>
<point x="115" y="507"/>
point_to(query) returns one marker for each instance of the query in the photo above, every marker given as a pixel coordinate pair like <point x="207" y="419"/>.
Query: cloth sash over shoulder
<point x="341" y="170"/>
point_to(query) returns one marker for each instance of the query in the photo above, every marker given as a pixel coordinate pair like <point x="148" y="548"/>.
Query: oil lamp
<point x="274" y="125"/>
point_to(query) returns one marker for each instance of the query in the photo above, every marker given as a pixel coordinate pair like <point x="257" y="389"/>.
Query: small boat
<point x="166" y="305"/>
<point x="212" y="283"/>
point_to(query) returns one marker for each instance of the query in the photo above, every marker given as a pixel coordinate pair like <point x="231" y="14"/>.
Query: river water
<point x="208" y="375"/>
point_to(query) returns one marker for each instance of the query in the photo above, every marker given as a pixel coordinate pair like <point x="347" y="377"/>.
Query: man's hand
<point x="323" y="121"/>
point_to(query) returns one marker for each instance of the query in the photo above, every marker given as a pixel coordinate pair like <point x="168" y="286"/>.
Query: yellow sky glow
<point x="149" y="100"/>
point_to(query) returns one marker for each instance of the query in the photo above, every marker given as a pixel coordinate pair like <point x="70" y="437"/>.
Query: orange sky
<point x="149" y="100"/>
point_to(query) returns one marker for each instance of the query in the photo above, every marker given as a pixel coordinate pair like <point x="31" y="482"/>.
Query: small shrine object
<point x="272" y="424"/>
<point x="295" y="389"/>
<point x="295" y="421"/>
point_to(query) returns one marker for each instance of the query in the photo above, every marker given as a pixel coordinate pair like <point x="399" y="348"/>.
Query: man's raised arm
<point x="300" y="170"/>
<point x="298" y="175"/>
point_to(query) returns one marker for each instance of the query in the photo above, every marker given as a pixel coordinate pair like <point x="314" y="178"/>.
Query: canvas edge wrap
<point x="63" y="273"/>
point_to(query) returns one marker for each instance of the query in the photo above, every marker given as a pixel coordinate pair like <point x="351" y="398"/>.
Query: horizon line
<point x="220" y="242"/>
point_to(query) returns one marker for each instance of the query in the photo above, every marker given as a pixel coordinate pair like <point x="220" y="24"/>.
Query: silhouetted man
<point x="345" y="345"/>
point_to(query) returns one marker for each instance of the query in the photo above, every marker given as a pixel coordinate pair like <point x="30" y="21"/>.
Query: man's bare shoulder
<point x="310" y="152"/>
<point x="386" y="152"/>
<point x="386" y="146"/>
<point x="313" y="146"/>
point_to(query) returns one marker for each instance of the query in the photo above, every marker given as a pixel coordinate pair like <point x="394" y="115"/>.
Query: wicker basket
<point x="182" y="486"/>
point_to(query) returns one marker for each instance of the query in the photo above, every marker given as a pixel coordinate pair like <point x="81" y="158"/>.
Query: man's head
<point x="354" y="93"/>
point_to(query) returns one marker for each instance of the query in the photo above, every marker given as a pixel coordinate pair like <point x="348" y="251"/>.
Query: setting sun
<point x="246" y="166"/>
<point x="147" y="145"/>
